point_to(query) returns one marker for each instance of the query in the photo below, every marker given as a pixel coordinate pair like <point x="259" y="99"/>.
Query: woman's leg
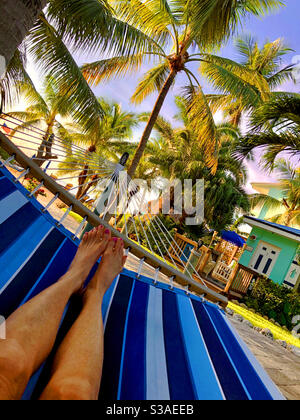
<point x="32" y="329"/>
<point x="77" y="367"/>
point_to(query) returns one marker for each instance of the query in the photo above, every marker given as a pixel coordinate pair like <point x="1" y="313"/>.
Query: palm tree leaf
<point x="13" y="79"/>
<point x="284" y="75"/>
<point x="280" y="109"/>
<point x="53" y="56"/>
<point x="90" y="25"/>
<point x="163" y="127"/>
<point x="236" y="79"/>
<point x="265" y="200"/>
<point x="214" y="21"/>
<point x="203" y="123"/>
<point x="116" y="67"/>
<point x="152" y="17"/>
<point x="274" y="143"/>
<point x="153" y="81"/>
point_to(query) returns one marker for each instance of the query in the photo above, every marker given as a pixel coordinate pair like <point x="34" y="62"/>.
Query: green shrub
<point x="154" y="235"/>
<point x="275" y="301"/>
<point x="3" y="154"/>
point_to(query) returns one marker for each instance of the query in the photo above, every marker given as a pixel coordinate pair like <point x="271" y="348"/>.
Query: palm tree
<point x="97" y="30"/>
<point x="43" y="110"/>
<point x="276" y="127"/>
<point x="10" y="84"/>
<point x="16" y="19"/>
<point x="176" y="154"/>
<point x="229" y="76"/>
<point x="106" y="139"/>
<point x="181" y="30"/>
<point x="289" y="206"/>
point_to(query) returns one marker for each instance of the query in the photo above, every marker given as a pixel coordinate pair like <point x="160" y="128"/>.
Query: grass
<point x="75" y="216"/>
<point x="156" y="255"/>
<point x="258" y="321"/>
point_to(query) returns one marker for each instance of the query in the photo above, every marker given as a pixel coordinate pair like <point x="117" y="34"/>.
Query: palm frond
<point x="153" y="81"/>
<point x="114" y="67"/>
<point x="91" y="25"/>
<point x="284" y="75"/>
<point x="14" y="77"/>
<point x="53" y="56"/>
<point x="265" y="200"/>
<point x="203" y="123"/>
<point x="274" y="143"/>
<point x="152" y="17"/>
<point x="235" y="79"/>
<point x="215" y="21"/>
<point x="280" y="109"/>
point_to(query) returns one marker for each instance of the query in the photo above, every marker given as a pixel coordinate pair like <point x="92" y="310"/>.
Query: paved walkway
<point x="282" y="366"/>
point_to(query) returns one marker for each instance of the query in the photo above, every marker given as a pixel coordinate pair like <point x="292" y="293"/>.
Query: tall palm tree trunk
<point x="16" y="19"/>
<point x="83" y="176"/>
<point x="44" y="152"/>
<point x="153" y="118"/>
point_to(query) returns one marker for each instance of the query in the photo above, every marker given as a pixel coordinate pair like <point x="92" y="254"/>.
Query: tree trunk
<point x="16" y="19"/>
<point x="153" y="118"/>
<point x="44" y="152"/>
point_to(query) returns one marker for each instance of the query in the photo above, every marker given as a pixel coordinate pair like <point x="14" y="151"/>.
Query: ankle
<point x="93" y="296"/>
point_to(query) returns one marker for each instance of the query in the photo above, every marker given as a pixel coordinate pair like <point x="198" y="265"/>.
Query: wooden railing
<point x="240" y="282"/>
<point x="222" y="272"/>
<point x="180" y="245"/>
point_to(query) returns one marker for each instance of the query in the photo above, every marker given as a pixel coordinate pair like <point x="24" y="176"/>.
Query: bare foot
<point x="91" y="248"/>
<point x="112" y="264"/>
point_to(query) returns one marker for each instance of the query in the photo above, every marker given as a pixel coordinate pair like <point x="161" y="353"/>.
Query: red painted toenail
<point x="107" y="230"/>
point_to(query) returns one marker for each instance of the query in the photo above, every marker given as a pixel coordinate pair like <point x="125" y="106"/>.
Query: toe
<point x="93" y="235"/>
<point x="119" y="245"/>
<point x="111" y="246"/>
<point x="107" y="234"/>
<point x="99" y="234"/>
<point x="101" y="231"/>
<point x="115" y="241"/>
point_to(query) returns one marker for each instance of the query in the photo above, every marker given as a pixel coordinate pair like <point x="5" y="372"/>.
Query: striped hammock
<point x="160" y="344"/>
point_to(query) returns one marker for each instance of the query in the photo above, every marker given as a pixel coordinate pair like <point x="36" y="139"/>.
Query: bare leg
<point x="77" y="368"/>
<point x="32" y="329"/>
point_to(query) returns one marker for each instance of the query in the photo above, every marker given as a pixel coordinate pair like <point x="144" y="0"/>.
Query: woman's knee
<point x="14" y="369"/>
<point x="72" y="389"/>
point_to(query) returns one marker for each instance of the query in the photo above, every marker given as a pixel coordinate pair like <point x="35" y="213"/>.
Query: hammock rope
<point x="98" y="177"/>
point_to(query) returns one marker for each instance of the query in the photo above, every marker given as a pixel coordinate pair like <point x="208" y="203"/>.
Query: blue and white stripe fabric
<point x="160" y="344"/>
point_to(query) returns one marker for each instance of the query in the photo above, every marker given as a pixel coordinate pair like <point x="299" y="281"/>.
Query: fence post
<point x="232" y="278"/>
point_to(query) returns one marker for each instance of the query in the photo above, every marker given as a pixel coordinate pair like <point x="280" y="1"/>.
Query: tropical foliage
<point x="276" y="128"/>
<point x="288" y="207"/>
<point x="43" y="111"/>
<point x="247" y="83"/>
<point x="176" y="154"/>
<point x="59" y="32"/>
<point x="274" y="301"/>
<point x="180" y="31"/>
<point x="105" y="139"/>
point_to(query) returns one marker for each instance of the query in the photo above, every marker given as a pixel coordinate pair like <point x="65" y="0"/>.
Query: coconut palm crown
<point x="181" y="30"/>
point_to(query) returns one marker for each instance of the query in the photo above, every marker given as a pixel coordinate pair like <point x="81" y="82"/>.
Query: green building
<point x="272" y="250"/>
